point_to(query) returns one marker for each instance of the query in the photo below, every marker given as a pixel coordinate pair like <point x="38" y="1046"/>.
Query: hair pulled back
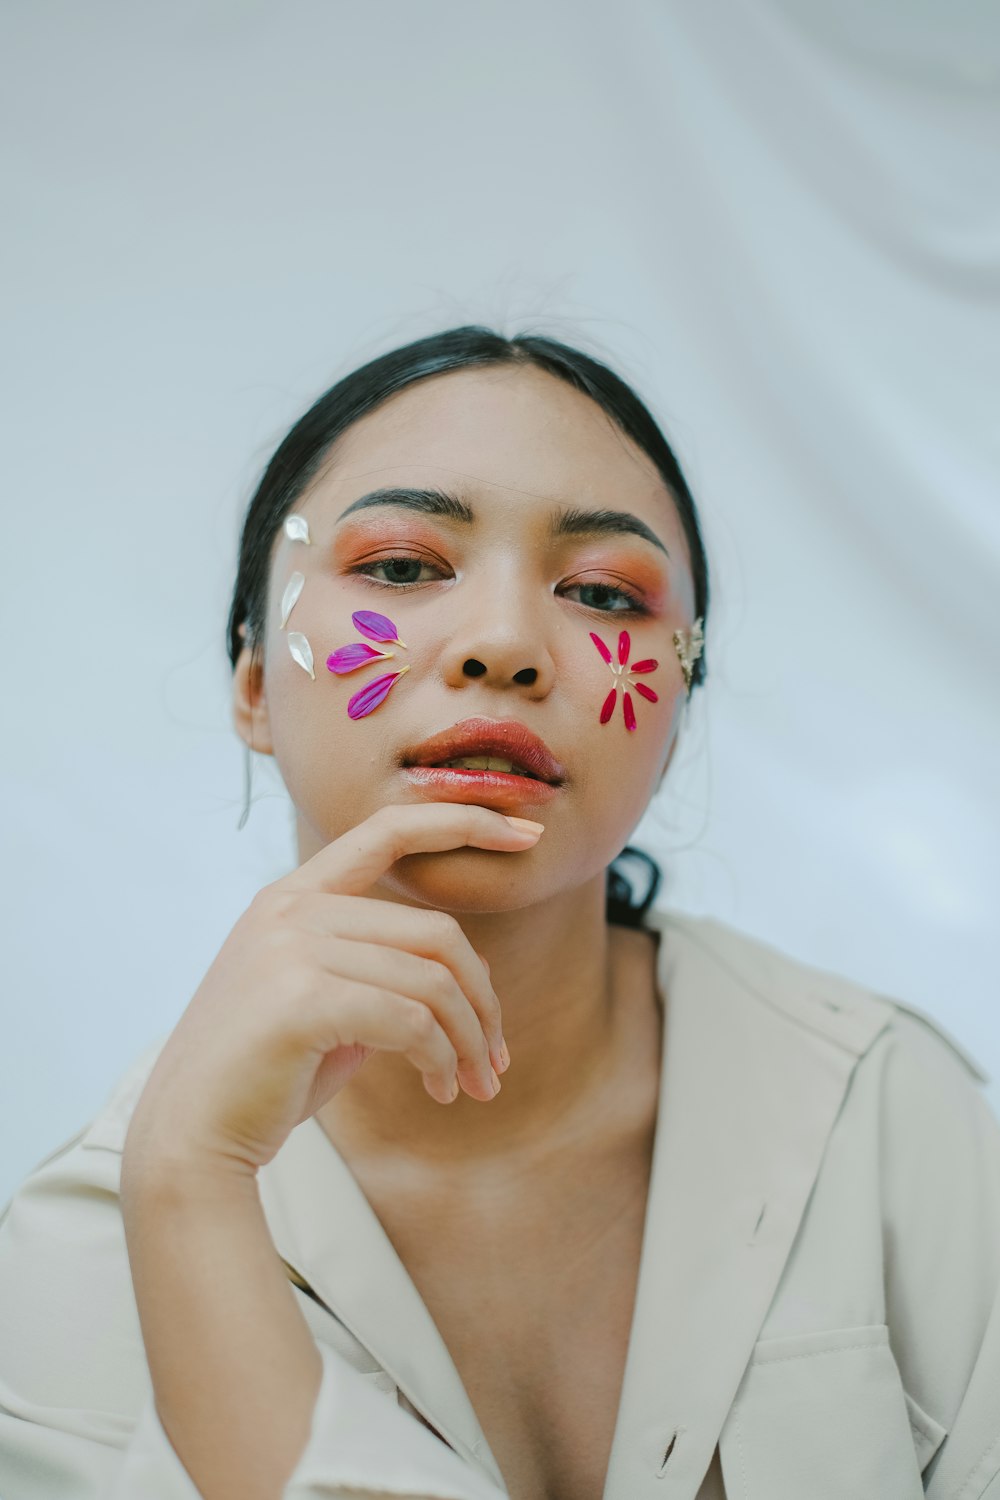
<point x="300" y="455"/>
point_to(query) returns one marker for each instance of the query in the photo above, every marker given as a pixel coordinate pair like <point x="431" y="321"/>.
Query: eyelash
<point x="634" y="606"/>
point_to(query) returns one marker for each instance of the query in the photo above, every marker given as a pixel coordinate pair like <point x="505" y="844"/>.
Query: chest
<point x="533" y="1293"/>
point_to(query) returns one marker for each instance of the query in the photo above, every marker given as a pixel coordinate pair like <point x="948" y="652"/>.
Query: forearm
<point x="234" y="1366"/>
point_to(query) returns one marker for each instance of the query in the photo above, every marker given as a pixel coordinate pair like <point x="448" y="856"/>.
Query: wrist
<point x="183" y="1173"/>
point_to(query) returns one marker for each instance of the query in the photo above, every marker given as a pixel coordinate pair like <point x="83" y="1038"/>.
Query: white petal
<point x="301" y="651"/>
<point x="292" y="591"/>
<point x="297" y="529"/>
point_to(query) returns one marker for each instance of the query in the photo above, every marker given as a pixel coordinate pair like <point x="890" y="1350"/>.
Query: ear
<point x="250" y="714"/>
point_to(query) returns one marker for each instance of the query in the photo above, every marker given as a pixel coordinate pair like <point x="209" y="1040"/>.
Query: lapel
<point x="758" y="1052"/>
<point x="325" y="1228"/>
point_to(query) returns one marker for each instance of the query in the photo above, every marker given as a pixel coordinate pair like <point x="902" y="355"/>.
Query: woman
<point x="461" y="1173"/>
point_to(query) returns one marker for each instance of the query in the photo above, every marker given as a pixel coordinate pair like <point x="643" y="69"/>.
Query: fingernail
<point x="496" y="1082"/>
<point x="504" y="1055"/>
<point x="526" y="824"/>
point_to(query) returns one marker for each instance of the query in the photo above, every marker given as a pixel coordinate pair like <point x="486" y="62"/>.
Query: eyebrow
<point x="571" y="521"/>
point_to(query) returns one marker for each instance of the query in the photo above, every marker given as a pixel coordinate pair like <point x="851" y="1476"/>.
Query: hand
<point x="311" y="980"/>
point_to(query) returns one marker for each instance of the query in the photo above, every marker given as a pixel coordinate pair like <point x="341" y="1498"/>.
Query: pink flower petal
<point x="375" y="627"/>
<point x="609" y="705"/>
<point x="629" y="711"/>
<point x="647" y="692"/>
<point x="649" y="665"/>
<point x="602" y="648"/>
<point x="368" y="698"/>
<point x="624" y="647"/>
<point x="349" y="658"/>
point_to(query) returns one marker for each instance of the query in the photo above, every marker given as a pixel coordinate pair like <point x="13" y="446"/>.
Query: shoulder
<point x="915" y="1101"/>
<point x="823" y="999"/>
<point x="909" y="1187"/>
<point x="71" y="1330"/>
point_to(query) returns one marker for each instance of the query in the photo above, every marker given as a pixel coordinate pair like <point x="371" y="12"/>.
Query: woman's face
<point x="496" y="606"/>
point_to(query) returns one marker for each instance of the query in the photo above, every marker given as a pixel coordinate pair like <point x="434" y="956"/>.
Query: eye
<point x="600" y="594"/>
<point x="400" y="570"/>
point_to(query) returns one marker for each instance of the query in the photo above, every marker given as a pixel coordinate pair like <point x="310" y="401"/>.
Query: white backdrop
<point x="780" y="221"/>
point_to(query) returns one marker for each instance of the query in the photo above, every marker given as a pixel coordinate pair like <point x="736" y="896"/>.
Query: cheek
<point x="629" y="686"/>
<point x="353" y="658"/>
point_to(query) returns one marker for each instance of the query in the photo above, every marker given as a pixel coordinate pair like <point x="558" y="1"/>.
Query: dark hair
<point x="299" y="456"/>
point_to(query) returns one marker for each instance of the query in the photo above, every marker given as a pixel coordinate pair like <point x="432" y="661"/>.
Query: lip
<point x="480" y="736"/>
<point x="493" y="789"/>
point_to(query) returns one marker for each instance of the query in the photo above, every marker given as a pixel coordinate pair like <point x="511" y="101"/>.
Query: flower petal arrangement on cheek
<point x="348" y="658"/>
<point x="359" y="654"/>
<point x="623" y="674"/>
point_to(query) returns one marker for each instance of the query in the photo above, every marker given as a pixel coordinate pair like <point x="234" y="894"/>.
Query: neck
<point x="554" y="968"/>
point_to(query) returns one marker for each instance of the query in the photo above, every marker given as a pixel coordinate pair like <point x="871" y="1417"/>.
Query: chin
<point x="465" y="880"/>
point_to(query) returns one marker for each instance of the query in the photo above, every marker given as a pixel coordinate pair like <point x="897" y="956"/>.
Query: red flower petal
<point x="629" y="711"/>
<point x="368" y="698"/>
<point x="602" y="648"/>
<point x="646" y="692"/>
<point x="624" y="647"/>
<point x="350" y="658"/>
<point x="648" y="665"/>
<point x="609" y="706"/>
<point x="375" y="627"/>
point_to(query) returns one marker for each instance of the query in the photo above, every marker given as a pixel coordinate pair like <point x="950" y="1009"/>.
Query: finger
<point x="351" y="864"/>
<point x="430" y="934"/>
<point x="368" y="1015"/>
<point x="418" y="978"/>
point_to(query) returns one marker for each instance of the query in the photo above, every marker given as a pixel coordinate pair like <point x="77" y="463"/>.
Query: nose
<point x="503" y="646"/>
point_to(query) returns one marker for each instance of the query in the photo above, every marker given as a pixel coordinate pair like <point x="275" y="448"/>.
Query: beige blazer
<point x="817" y="1314"/>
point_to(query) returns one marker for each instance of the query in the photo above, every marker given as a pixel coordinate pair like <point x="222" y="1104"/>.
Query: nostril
<point x="473" y="668"/>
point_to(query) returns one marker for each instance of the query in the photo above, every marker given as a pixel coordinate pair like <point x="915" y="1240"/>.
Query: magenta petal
<point x="375" y="627"/>
<point x="349" y="658"/>
<point x="368" y="698"/>
<point x="609" y="706"/>
<point x="646" y="692"/>
<point x="649" y="665"/>
<point x="624" y="647"/>
<point x="602" y="648"/>
<point x="629" y="711"/>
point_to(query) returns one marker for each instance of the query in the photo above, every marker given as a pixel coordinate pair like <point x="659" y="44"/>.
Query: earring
<point x="349" y="658"/>
<point x="689" y="646"/>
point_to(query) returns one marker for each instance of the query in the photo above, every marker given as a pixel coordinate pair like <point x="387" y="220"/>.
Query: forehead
<point x="500" y="432"/>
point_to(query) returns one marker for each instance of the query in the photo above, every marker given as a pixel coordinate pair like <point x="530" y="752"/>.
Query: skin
<point x="518" y="444"/>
